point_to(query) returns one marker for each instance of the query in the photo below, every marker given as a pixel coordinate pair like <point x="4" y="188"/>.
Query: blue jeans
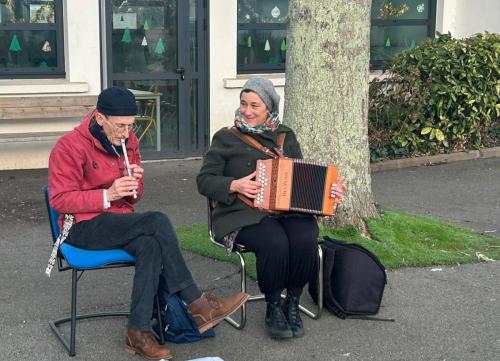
<point x="151" y="239"/>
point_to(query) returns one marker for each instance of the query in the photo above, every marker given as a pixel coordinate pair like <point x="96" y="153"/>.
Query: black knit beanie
<point x="116" y="100"/>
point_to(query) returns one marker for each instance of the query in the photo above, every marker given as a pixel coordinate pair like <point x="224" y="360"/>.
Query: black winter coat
<point x="230" y="158"/>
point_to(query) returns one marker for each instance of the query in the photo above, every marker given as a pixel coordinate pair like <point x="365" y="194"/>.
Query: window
<point x="396" y="25"/>
<point x="399" y="25"/>
<point x="31" y="39"/>
<point x="262" y="35"/>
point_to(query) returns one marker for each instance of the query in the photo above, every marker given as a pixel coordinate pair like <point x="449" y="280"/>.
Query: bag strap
<point x="370" y="318"/>
<point x="281" y="141"/>
<point x="245" y="199"/>
<point x="68" y="222"/>
<point x="254" y="143"/>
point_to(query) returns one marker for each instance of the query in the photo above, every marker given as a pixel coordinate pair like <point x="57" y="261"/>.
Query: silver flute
<point x="127" y="163"/>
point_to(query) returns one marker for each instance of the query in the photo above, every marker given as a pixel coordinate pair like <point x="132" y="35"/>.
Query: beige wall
<point x="222" y="60"/>
<point x="463" y="18"/>
<point x="83" y="55"/>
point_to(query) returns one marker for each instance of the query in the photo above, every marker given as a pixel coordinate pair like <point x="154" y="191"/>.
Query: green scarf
<point x="270" y="124"/>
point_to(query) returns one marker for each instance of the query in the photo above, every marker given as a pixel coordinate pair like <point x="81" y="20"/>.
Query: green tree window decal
<point x="31" y="40"/>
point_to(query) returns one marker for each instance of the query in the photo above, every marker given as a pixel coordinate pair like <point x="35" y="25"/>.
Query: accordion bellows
<point x="296" y="185"/>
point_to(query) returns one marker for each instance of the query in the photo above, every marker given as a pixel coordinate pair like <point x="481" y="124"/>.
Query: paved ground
<point x="453" y="314"/>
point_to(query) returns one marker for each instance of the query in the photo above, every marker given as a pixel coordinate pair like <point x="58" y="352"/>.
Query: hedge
<point x="439" y="97"/>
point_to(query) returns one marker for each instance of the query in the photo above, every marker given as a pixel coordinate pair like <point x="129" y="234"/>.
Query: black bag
<point x="353" y="280"/>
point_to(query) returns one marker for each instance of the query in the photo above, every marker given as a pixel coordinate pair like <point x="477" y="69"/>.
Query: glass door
<point x="156" y="48"/>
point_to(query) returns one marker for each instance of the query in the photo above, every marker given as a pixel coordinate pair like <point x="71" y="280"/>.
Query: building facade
<point x="185" y="60"/>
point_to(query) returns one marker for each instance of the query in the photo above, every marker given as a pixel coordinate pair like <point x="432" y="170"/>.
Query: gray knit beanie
<point x="264" y="88"/>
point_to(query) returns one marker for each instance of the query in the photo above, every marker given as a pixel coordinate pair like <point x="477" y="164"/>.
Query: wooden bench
<point x="42" y="107"/>
<point x="46" y="107"/>
<point x="29" y="137"/>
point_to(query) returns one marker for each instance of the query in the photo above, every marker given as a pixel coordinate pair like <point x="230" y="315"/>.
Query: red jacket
<point x="80" y="169"/>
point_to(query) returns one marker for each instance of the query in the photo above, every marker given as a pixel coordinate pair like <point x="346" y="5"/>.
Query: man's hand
<point x="246" y="186"/>
<point x="123" y="187"/>
<point x="136" y="171"/>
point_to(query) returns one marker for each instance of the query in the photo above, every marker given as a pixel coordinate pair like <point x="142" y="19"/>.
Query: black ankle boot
<point x="292" y="314"/>
<point x="277" y="325"/>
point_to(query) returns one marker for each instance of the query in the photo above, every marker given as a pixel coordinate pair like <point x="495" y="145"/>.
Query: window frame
<point x="262" y="67"/>
<point x="37" y="72"/>
<point x="430" y="22"/>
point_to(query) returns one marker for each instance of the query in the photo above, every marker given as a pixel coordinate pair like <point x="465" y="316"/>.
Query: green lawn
<point x="399" y="239"/>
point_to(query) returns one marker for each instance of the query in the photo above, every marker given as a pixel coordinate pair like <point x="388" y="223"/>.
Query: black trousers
<point x="151" y="239"/>
<point x="286" y="250"/>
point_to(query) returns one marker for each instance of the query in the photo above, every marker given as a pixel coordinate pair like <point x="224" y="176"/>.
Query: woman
<point x="285" y="244"/>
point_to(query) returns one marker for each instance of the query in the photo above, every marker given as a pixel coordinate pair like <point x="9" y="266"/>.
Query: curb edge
<point x="435" y="159"/>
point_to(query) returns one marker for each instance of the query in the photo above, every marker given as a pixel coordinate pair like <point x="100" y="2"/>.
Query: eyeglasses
<point x="121" y="127"/>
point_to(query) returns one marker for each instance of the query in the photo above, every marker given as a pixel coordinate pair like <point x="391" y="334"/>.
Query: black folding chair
<point x="78" y="261"/>
<point x="240" y="250"/>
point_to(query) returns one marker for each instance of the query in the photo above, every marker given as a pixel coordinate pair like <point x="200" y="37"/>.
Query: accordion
<point x="296" y="185"/>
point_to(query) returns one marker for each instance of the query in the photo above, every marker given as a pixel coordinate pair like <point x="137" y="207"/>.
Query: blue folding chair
<point x="80" y="260"/>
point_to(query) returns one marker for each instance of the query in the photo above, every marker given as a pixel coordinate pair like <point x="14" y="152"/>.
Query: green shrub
<point x="441" y="96"/>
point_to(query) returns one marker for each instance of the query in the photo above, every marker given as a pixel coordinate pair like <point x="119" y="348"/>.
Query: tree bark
<point x="326" y="94"/>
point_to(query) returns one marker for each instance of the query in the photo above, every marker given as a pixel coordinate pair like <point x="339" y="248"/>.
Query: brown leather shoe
<point x="209" y="310"/>
<point x="144" y="344"/>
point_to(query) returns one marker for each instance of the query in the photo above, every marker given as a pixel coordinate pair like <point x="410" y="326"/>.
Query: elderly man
<point x="88" y="178"/>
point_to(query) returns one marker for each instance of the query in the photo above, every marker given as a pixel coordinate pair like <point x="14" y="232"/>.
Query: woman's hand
<point x="338" y="189"/>
<point x="246" y="186"/>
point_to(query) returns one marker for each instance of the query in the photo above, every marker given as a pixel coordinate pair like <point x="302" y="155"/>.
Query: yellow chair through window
<point x="146" y="120"/>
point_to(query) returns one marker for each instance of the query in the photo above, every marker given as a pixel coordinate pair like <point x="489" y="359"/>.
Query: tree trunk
<point x="326" y="94"/>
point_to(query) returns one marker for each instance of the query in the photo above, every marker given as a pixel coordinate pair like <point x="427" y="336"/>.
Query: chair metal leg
<point x="243" y="310"/>
<point x="74" y="285"/>
<point x="314" y="315"/>
<point x="54" y="325"/>
<point x="243" y="313"/>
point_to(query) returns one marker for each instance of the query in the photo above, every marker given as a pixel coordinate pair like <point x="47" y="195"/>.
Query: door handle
<point x="181" y="71"/>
